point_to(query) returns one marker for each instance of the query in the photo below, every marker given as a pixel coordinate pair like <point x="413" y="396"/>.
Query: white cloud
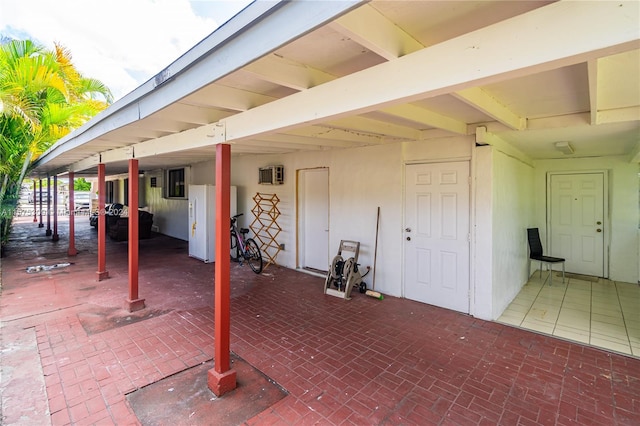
<point x="123" y="43"/>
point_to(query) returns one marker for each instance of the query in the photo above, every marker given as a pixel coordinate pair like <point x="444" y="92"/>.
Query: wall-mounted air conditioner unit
<point x="271" y="175"/>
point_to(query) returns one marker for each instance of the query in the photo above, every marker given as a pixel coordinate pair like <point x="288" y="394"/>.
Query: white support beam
<point x="85" y="164"/>
<point x="285" y="72"/>
<point x="371" y="29"/>
<point x="312" y="141"/>
<point x="483" y="137"/>
<point x="225" y="97"/>
<point x="619" y="115"/>
<point x="481" y="100"/>
<point x="592" y="73"/>
<point x="427" y="118"/>
<point x="379" y="127"/>
<point x="605" y="29"/>
<point x="113" y="155"/>
<point x="330" y="133"/>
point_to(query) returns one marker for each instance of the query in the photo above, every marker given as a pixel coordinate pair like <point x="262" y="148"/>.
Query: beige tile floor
<point x="604" y="313"/>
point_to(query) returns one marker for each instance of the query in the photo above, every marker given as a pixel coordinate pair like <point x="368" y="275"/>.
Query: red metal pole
<point x="40" y="225"/>
<point x="102" y="226"/>
<point x="55" y="236"/>
<point x="134" y="303"/>
<point x="72" y="219"/>
<point x="221" y="379"/>
<point x="48" y="232"/>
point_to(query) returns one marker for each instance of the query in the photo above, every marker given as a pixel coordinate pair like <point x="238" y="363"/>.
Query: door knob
<point x="408" y="238"/>
<point x="599" y="230"/>
<point x="598" y="223"/>
<point x="408" y="229"/>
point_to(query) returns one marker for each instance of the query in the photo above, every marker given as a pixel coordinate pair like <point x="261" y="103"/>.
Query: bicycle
<point x="244" y="248"/>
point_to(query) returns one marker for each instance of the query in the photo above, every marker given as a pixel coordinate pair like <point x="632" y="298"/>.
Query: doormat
<point x="185" y="398"/>
<point x="579" y="277"/>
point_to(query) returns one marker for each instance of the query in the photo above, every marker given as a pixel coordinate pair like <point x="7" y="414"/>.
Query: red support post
<point x="72" y="218"/>
<point x="55" y="236"/>
<point x="102" y="226"/>
<point x="133" y="303"/>
<point x="48" y="232"/>
<point x="40" y="225"/>
<point x="222" y="379"/>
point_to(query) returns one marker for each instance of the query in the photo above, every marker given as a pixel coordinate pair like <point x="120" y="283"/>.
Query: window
<point x="126" y="192"/>
<point x="175" y="183"/>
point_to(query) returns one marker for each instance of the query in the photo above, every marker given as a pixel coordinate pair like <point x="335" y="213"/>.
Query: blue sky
<point x="123" y="43"/>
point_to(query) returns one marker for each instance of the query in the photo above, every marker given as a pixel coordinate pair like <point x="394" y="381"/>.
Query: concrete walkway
<point x="72" y="355"/>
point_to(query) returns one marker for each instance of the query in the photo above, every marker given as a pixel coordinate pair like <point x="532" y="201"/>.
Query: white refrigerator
<point x="202" y="216"/>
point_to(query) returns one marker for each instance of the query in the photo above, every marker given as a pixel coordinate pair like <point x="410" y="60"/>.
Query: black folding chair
<point x="536" y="253"/>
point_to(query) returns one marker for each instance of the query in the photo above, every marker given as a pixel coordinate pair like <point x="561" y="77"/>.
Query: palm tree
<point x="43" y="97"/>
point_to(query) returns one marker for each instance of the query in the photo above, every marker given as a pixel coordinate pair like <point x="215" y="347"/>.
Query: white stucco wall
<point x="513" y="213"/>
<point x="503" y="212"/>
<point x="169" y="215"/>
<point x="623" y="207"/>
<point x="360" y="181"/>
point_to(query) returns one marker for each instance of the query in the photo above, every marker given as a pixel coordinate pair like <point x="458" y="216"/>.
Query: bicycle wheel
<point x="253" y="255"/>
<point x="235" y="251"/>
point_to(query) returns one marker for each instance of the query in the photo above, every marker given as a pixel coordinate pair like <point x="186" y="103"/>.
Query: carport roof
<point x="282" y="77"/>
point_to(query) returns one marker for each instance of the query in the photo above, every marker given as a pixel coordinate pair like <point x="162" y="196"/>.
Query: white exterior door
<point x="577" y="221"/>
<point x="436" y="246"/>
<point x="313" y="202"/>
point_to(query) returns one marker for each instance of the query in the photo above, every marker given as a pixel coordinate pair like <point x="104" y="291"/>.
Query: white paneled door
<point x="436" y="233"/>
<point x="577" y="221"/>
<point x="313" y="203"/>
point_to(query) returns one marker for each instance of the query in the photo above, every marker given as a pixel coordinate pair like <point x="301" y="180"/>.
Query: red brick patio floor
<point x="359" y="362"/>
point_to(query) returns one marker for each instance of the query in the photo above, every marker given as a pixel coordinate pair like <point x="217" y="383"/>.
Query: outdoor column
<point x="221" y="378"/>
<point x="72" y="219"/>
<point x="102" y="226"/>
<point x="133" y="303"/>
<point x="48" y="232"/>
<point x="55" y="236"/>
<point x="35" y="194"/>
<point x="40" y="225"/>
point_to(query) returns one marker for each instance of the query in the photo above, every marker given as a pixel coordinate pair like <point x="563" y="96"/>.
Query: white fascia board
<point x="533" y="42"/>
<point x="238" y="42"/>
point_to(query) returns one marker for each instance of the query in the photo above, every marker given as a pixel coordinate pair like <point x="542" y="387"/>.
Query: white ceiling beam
<point x="488" y="138"/>
<point x="85" y="164"/>
<point x="331" y="133"/>
<point x="285" y="72"/>
<point x="619" y="115"/>
<point x="427" y="118"/>
<point x="481" y="100"/>
<point x="604" y="29"/>
<point x="369" y="125"/>
<point x="230" y="98"/>
<point x="371" y="29"/>
<point x="309" y="140"/>
<point x="592" y="73"/>
<point x="276" y="144"/>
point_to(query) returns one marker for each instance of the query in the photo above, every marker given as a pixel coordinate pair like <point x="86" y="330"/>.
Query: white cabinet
<point x="202" y="216"/>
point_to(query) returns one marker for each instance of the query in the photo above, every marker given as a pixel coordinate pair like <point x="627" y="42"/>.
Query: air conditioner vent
<point x="271" y="175"/>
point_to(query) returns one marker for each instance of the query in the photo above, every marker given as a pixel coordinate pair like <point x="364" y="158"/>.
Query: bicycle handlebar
<point x="235" y="217"/>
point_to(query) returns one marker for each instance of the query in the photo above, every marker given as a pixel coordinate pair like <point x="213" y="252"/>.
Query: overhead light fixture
<point x="564" y="147"/>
